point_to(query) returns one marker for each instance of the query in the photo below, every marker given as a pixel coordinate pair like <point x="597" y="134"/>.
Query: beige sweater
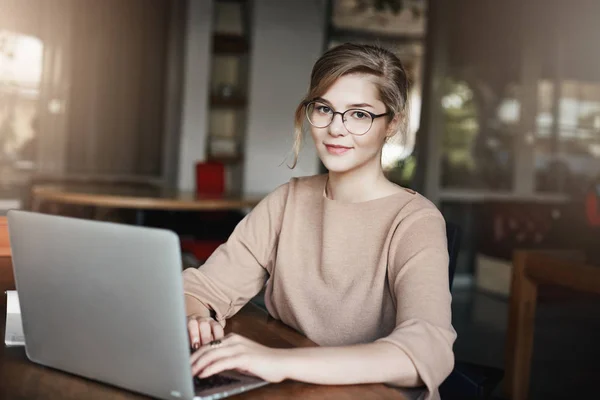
<point x="340" y="273"/>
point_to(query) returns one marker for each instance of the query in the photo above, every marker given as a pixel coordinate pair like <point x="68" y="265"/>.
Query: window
<point x="21" y="58"/>
<point x="567" y="155"/>
<point x="479" y="128"/>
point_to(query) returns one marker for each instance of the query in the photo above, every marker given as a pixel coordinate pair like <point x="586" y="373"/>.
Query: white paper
<point x="14" y="327"/>
<point x="12" y="302"/>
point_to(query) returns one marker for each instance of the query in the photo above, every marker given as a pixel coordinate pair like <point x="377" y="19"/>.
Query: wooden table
<point x="138" y="198"/>
<point x="149" y="198"/>
<point x="531" y="269"/>
<point x="22" y="379"/>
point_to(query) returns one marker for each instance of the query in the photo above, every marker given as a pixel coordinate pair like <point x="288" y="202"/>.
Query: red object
<point x="210" y="179"/>
<point x="592" y="206"/>
<point x="201" y="249"/>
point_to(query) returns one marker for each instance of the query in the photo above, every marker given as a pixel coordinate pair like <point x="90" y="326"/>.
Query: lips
<point x="337" y="149"/>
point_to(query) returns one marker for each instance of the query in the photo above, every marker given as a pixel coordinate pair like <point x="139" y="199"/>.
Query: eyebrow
<point x="349" y="105"/>
<point x="360" y="105"/>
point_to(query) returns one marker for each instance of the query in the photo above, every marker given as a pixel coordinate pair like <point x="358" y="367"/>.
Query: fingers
<point x="203" y="330"/>
<point x="229" y="340"/>
<point x="198" y="353"/>
<point x="194" y="333"/>
<point x="217" y="330"/>
<point x="213" y="354"/>
<point x="224" y="364"/>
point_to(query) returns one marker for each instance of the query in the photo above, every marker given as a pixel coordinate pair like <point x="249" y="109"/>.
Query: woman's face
<point x="343" y="147"/>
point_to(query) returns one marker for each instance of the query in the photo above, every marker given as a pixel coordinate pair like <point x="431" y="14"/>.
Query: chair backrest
<point x="453" y="234"/>
<point x="7" y="279"/>
<point x="4" y="241"/>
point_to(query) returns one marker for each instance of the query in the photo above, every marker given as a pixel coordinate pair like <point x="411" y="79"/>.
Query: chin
<point x="338" y="164"/>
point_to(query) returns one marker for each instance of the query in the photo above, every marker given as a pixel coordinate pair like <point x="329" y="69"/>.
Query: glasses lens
<point x="319" y="115"/>
<point x="358" y="122"/>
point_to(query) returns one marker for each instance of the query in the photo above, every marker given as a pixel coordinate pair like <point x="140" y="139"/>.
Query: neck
<point x="361" y="184"/>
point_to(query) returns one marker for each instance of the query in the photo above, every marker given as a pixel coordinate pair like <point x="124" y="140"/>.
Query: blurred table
<point x="22" y="379"/>
<point x="138" y="198"/>
<point x="147" y="198"/>
<point x="531" y="269"/>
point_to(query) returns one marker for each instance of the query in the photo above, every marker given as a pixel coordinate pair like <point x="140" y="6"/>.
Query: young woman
<point x="356" y="263"/>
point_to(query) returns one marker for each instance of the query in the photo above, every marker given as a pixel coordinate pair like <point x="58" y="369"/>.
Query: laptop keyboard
<point x="213" y="382"/>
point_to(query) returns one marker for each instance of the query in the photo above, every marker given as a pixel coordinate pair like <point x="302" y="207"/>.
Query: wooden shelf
<point x="230" y="44"/>
<point x="224" y="43"/>
<point x="228" y="102"/>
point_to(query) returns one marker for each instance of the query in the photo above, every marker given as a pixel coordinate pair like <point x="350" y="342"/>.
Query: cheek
<point x="371" y="141"/>
<point x="317" y="134"/>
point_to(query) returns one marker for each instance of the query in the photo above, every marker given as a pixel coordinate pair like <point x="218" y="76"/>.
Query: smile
<point x="337" y="149"/>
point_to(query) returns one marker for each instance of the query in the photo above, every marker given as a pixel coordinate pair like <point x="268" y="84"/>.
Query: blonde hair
<point x="349" y="58"/>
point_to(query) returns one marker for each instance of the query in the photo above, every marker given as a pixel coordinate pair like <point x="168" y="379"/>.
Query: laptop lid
<point x="104" y="301"/>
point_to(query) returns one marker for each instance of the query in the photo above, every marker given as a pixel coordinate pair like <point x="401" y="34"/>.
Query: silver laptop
<point x="105" y="301"/>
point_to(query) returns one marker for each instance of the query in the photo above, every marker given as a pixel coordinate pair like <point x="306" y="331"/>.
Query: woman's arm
<point x="418" y="279"/>
<point x="235" y="272"/>
<point x="364" y="363"/>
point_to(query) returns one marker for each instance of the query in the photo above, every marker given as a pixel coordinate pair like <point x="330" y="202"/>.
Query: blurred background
<point x="179" y="114"/>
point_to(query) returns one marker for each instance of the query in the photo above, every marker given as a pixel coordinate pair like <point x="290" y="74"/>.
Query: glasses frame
<point x="342" y="114"/>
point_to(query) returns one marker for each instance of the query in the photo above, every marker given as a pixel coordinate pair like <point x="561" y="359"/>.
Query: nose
<point x="337" y="128"/>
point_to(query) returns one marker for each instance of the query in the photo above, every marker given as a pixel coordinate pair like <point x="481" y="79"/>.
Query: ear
<point x="392" y="127"/>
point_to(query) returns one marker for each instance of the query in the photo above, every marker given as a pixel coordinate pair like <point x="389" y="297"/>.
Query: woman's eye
<point x="359" y="114"/>
<point x="324" y="109"/>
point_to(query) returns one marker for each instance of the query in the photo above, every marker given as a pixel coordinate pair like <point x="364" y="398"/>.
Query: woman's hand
<point x="235" y="352"/>
<point x="203" y="330"/>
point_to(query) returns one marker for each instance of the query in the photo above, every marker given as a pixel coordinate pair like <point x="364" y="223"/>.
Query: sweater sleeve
<point x="418" y="276"/>
<point x="237" y="270"/>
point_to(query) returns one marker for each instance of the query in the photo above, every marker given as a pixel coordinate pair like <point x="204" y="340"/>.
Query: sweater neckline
<point x="403" y="191"/>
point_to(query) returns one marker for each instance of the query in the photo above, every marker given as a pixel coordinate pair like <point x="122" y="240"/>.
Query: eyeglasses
<point x="357" y="121"/>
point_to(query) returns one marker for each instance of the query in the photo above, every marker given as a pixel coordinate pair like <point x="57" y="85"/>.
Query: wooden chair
<point x="4" y="240"/>
<point x="7" y="280"/>
<point x="531" y="269"/>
